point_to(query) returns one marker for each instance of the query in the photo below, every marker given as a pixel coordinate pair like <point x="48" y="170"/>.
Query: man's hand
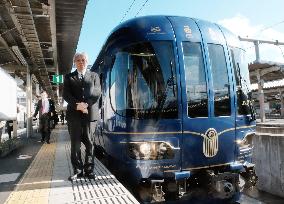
<point x="85" y="111"/>
<point x="82" y="107"/>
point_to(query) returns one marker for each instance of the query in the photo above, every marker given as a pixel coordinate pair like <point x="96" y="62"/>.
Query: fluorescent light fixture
<point x="41" y="15"/>
<point x="19" y="55"/>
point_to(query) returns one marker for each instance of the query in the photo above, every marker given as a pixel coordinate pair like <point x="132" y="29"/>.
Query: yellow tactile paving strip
<point x="34" y="187"/>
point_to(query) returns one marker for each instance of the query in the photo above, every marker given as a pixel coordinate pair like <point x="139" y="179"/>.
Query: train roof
<point x="159" y="27"/>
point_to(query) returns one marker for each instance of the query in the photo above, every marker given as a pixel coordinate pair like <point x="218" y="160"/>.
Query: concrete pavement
<point x="45" y="181"/>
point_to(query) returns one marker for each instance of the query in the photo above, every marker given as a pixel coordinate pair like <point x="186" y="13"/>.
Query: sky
<point x="258" y="19"/>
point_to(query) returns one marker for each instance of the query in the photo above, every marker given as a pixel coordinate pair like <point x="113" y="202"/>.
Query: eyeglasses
<point x="80" y="60"/>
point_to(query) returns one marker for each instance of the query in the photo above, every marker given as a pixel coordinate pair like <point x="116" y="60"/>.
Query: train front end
<point x="177" y="115"/>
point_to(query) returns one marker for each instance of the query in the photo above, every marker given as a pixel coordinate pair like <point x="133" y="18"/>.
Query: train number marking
<point x="188" y="32"/>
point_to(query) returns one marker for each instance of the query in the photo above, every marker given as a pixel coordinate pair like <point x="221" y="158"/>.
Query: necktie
<point x="82" y="77"/>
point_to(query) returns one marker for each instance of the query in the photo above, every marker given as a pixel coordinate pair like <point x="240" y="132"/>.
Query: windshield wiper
<point x="171" y="80"/>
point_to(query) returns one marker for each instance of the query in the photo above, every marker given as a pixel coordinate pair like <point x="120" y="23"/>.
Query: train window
<point x="196" y="88"/>
<point x="242" y="80"/>
<point x="143" y="81"/>
<point x="221" y="86"/>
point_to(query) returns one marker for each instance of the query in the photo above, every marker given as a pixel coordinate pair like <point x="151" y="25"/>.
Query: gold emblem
<point x="188" y="32"/>
<point x="210" y="142"/>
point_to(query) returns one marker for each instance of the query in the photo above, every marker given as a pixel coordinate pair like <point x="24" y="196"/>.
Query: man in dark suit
<point x="9" y="125"/>
<point x="81" y="91"/>
<point x="45" y="107"/>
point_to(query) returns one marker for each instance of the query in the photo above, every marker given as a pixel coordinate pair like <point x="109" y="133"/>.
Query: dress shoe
<point x="48" y="142"/>
<point x="75" y="176"/>
<point x="90" y="175"/>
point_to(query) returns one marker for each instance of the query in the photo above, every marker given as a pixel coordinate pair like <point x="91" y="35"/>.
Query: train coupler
<point x="249" y="175"/>
<point x="157" y="190"/>
<point x="181" y="178"/>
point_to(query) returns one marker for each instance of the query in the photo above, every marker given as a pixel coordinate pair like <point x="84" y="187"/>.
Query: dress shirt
<point x="45" y="106"/>
<point x="81" y="73"/>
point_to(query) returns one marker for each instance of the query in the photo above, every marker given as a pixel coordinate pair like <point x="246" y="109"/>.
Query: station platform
<point x="46" y="179"/>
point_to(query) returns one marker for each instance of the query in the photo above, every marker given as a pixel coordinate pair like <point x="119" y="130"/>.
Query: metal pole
<point x="256" y="47"/>
<point x="29" y="103"/>
<point x="261" y="97"/>
<point x="54" y="39"/>
<point x="37" y="89"/>
<point x="256" y="43"/>
<point x="282" y="103"/>
<point x="276" y="42"/>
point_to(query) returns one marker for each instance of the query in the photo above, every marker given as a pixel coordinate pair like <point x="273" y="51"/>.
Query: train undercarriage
<point x="215" y="184"/>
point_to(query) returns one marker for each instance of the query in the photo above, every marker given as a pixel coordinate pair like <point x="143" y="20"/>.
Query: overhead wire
<point x="273" y="25"/>
<point x="141" y="8"/>
<point x="127" y="11"/>
<point x="265" y="28"/>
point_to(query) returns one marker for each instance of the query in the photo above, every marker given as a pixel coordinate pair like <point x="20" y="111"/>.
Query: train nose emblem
<point x="210" y="143"/>
<point x="155" y="29"/>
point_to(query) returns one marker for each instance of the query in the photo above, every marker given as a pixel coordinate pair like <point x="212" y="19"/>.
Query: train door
<point x="207" y="95"/>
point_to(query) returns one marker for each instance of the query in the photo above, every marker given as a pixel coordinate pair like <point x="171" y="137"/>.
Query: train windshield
<point x="221" y="86"/>
<point x="196" y="88"/>
<point x="242" y="81"/>
<point x="143" y="81"/>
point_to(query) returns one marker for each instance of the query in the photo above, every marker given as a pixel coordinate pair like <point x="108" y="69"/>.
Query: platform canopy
<point x="271" y="93"/>
<point x="269" y="71"/>
<point x="40" y="36"/>
<point x="270" y="75"/>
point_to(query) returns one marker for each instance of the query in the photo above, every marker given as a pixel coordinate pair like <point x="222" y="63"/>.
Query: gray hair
<point x="81" y="54"/>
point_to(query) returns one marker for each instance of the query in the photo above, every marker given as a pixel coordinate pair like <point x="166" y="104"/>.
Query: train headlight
<point x="145" y="149"/>
<point x="152" y="150"/>
<point x="246" y="142"/>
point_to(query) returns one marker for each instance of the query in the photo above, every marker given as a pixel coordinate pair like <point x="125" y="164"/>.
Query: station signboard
<point x="57" y="79"/>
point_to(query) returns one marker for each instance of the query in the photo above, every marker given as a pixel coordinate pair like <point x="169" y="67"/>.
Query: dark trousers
<point x="81" y="131"/>
<point x="9" y="125"/>
<point x="44" y="127"/>
<point x="9" y="131"/>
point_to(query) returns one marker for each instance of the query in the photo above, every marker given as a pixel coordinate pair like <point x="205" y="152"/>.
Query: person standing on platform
<point x="82" y="91"/>
<point x="46" y="108"/>
<point x="55" y="120"/>
<point x="2" y="126"/>
<point x="62" y="116"/>
<point x="9" y="126"/>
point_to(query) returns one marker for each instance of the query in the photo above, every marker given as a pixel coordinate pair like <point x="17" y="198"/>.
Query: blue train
<point x="176" y="112"/>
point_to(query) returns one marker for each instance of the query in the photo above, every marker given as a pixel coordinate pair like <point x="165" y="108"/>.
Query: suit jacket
<point x="76" y="91"/>
<point x="39" y="108"/>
